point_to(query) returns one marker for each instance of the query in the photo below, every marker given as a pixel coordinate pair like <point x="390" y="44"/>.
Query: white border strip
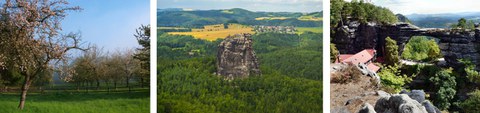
<point x="153" y="56"/>
<point x="326" y="56"/>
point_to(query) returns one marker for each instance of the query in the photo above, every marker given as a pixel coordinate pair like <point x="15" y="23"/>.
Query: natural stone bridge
<point x="454" y="44"/>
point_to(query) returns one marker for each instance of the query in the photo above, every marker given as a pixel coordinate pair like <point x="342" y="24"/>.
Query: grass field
<point x="309" y="18"/>
<point x="96" y="101"/>
<point x="175" y="28"/>
<point x="272" y="18"/>
<point x="311" y="29"/>
<point x="213" y="35"/>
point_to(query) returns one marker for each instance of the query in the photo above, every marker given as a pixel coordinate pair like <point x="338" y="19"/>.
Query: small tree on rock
<point x="391" y="52"/>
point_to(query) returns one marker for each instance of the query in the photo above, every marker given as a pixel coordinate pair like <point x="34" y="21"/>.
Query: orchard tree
<point x="87" y="67"/>
<point x="391" y="52"/>
<point x="31" y="40"/>
<point x="143" y="54"/>
<point x="129" y="66"/>
<point x="114" y="64"/>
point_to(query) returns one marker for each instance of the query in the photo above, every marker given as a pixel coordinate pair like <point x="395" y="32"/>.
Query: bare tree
<point x="31" y="40"/>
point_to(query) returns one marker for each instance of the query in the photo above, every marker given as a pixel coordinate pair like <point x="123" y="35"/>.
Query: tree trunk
<point x="98" y="84"/>
<point x="141" y="82"/>
<point x="86" y="86"/>
<point x="115" y="85"/>
<point x="23" y="96"/>
<point x="128" y="83"/>
<point x="108" y="87"/>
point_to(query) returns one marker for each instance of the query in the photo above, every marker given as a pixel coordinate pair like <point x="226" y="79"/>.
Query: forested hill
<point x="442" y="20"/>
<point x="198" y="18"/>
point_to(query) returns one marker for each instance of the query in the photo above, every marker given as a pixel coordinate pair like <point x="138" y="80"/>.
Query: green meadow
<point x="73" y="101"/>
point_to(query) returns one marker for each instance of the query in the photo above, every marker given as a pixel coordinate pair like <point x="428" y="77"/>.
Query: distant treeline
<point x="197" y="19"/>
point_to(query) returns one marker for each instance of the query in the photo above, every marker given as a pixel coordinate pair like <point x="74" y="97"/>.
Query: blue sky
<point x="254" y="5"/>
<point x="429" y="6"/>
<point x="108" y="23"/>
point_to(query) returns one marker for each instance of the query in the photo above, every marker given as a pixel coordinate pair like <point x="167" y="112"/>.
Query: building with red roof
<point x="366" y="57"/>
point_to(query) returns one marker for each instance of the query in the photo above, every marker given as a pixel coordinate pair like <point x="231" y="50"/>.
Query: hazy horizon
<point x="303" y="6"/>
<point x="408" y="7"/>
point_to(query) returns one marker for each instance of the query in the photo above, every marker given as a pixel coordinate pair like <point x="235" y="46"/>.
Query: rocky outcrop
<point x="353" y="37"/>
<point x="367" y="108"/>
<point x="398" y="103"/>
<point x="236" y="58"/>
<point x="405" y="102"/>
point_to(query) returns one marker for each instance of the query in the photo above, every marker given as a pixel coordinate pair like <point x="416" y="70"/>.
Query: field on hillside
<point x="213" y="35"/>
<point x="301" y="30"/>
<point x="309" y="18"/>
<point x="120" y="101"/>
<point x="272" y="18"/>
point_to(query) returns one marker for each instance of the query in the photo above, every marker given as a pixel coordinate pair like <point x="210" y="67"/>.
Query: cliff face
<point x="236" y="58"/>
<point x="353" y="37"/>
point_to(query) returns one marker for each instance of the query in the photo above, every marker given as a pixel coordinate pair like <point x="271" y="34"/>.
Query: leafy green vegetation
<point x="463" y="24"/>
<point x="291" y="79"/>
<point x="420" y="48"/>
<point x="333" y="53"/>
<point x="392" y="79"/>
<point x="445" y="85"/>
<point x="471" y="104"/>
<point x="472" y="74"/>
<point x="341" y="10"/>
<point x="391" y="52"/>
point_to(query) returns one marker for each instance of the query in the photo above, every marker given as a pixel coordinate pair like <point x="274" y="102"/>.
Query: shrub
<point x="391" y="52"/>
<point x="472" y="74"/>
<point x="333" y="53"/>
<point x="445" y="85"/>
<point x="391" y="79"/>
<point x="471" y="104"/>
<point x="348" y="74"/>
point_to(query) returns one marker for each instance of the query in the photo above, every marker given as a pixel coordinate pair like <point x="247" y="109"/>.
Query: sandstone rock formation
<point x="353" y="37"/>
<point x="405" y="102"/>
<point x="236" y="57"/>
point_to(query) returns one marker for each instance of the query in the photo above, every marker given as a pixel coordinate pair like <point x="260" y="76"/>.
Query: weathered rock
<point x="398" y="103"/>
<point x="381" y="93"/>
<point x="418" y="95"/>
<point x="365" y="71"/>
<point x="367" y="108"/>
<point x="236" y="57"/>
<point x="353" y="37"/>
<point x="430" y="107"/>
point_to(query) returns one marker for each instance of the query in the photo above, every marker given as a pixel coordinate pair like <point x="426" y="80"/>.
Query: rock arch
<point x="454" y="44"/>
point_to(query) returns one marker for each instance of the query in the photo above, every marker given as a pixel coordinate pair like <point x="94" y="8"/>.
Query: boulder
<point x="398" y="103"/>
<point x="418" y="95"/>
<point x="367" y="108"/>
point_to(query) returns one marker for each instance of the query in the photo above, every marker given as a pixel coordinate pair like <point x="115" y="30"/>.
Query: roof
<point x="373" y="67"/>
<point x="361" y="57"/>
<point x="344" y="57"/>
